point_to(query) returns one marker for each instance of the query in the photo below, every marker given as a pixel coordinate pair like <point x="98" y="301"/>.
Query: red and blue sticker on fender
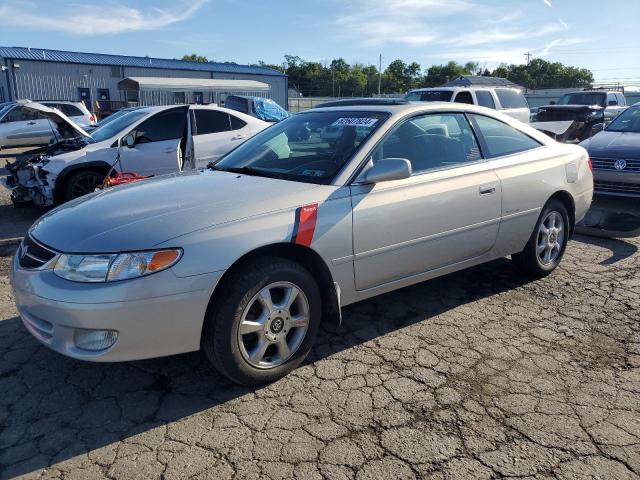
<point x="305" y="224"/>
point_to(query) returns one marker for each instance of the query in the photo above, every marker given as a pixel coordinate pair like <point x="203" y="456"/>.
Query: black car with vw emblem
<point x="615" y="155"/>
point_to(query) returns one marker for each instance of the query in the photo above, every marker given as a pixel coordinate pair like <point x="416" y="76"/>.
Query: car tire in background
<point x="262" y="321"/>
<point x="81" y="183"/>
<point x="547" y="243"/>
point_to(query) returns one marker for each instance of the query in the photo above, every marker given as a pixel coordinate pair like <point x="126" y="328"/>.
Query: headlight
<point x="113" y="267"/>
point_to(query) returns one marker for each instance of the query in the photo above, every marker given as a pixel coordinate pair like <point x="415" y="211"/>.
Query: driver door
<point x="158" y="144"/>
<point x="447" y="212"/>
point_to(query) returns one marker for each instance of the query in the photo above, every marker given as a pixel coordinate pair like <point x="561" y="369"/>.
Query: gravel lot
<point x="480" y="374"/>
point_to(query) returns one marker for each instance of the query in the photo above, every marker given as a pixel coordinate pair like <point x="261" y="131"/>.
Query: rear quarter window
<point x="485" y="99"/>
<point x="71" y="110"/>
<point x="510" y="98"/>
<point x="500" y="139"/>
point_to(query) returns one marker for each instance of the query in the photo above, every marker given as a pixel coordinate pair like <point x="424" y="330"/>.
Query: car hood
<point x="614" y="145"/>
<point x="571" y="108"/>
<point x="141" y="215"/>
<point x="64" y="125"/>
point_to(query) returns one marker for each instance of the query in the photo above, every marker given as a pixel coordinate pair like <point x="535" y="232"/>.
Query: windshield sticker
<point x="313" y="173"/>
<point x="354" y="122"/>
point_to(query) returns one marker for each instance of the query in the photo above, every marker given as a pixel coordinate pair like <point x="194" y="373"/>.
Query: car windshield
<point x="429" y="96"/>
<point x="309" y="147"/>
<point x="583" y="98"/>
<point x="110" y="129"/>
<point x="627" y="121"/>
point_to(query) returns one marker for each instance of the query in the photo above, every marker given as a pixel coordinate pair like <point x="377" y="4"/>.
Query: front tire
<point x="81" y="183"/>
<point x="547" y="243"/>
<point x="263" y="322"/>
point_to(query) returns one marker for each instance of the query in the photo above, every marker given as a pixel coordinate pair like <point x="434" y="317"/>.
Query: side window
<point x="163" y="126"/>
<point x="236" y="123"/>
<point x="431" y="142"/>
<point x="511" y="98"/>
<point x="621" y="100"/>
<point x="464" y="97"/>
<point x="71" y="110"/>
<point x="502" y="139"/>
<point x="211" y="121"/>
<point x="485" y="99"/>
<point x="20" y="114"/>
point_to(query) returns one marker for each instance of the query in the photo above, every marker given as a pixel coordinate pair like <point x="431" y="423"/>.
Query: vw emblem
<point x="620" y="164"/>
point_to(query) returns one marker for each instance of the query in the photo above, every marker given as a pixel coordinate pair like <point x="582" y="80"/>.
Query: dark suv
<point x="586" y="108"/>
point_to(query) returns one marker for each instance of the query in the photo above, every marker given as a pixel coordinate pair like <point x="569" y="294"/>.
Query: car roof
<point x="400" y="107"/>
<point x="465" y="87"/>
<point x="362" y="101"/>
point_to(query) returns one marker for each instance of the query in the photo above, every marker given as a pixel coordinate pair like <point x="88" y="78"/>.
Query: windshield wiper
<point x="247" y="171"/>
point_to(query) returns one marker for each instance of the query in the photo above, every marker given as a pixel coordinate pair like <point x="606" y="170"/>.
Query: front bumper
<point x="614" y="182"/>
<point x="154" y="316"/>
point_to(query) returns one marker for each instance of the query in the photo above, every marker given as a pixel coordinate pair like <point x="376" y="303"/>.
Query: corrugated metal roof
<point x="158" y="83"/>
<point x="22" y="53"/>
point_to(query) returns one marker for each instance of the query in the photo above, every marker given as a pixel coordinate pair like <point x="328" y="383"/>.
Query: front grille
<point x="632" y="165"/>
<point x="33" y="255"/>
<point x="617" y="187"/>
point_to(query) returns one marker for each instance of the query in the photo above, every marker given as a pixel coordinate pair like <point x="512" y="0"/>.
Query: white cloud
<point x="91" y="19"/>
<point x="404" y="22"/>
<point x="548" y="3"/>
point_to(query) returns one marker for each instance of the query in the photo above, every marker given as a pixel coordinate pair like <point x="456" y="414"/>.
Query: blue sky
<point x="584" y="33"/>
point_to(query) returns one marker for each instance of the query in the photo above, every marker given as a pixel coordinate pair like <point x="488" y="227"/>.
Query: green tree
<point x="439" y="74"/>
<point x="544" y="74"/>
<point x="194" y="57"/>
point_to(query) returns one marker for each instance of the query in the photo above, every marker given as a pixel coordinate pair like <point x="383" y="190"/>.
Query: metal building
<point x="41" y="74"/>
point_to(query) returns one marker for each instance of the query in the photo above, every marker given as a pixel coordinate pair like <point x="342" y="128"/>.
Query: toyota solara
<point x="246" y="258"/>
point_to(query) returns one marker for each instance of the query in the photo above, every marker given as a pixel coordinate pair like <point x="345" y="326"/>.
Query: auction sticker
<point x="354" y="122"/>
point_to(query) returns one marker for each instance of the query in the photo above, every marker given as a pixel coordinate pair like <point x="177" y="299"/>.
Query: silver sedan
<point x="246" y="258"/>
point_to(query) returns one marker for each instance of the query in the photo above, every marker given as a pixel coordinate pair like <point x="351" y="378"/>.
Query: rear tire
<point x="547" y="243"/>
<point x="81" y="183"/>
<point x="253" y="337"/>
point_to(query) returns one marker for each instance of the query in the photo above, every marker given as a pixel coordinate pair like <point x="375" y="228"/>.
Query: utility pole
<point x="333" y="81"/>
<point x="528" y="55"/>
<point x="379" y="74"/>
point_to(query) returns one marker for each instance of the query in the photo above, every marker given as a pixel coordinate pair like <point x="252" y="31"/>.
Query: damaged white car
<point x="149" y="141"/>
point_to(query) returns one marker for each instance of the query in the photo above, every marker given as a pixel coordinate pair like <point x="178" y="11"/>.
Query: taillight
<point x="92" y="120"/>
<point x="590" y="164"/>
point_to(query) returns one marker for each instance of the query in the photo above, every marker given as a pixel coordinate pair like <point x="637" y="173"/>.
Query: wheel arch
<point x="99" y="165"/>
<point x="305" y="256"/>
<point x="567" y="200"/>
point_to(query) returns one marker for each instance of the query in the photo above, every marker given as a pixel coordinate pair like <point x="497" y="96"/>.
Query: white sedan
<point x="148" y="141"/>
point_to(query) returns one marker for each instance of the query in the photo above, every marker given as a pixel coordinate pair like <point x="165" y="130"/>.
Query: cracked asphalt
<point x="479" y="374"/>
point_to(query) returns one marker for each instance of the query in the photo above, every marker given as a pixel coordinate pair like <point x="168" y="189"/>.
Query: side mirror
<point x="598" y="127"/>
<point x="130" y="140"/>
<point x="612" y="103"/>
<point x="385" y="170"/>
<point x="552" y="102"/>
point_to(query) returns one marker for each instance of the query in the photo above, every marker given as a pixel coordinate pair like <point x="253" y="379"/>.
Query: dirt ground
<point x="480" y="374"/>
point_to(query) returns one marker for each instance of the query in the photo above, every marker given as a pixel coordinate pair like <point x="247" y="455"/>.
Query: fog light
<point x="94" y="340"/>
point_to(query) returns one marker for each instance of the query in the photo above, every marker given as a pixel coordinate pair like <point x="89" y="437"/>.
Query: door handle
<point x="170" y="150"/>
<point x="238" y="137"/>
<point x="31" y="123"/>
<point x="487" y="190"/>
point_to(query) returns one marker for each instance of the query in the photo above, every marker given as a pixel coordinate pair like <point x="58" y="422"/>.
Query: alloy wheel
<point x="551" y="235"/>
<point x="84" y="184"/>
<point x="273" y="325"/>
